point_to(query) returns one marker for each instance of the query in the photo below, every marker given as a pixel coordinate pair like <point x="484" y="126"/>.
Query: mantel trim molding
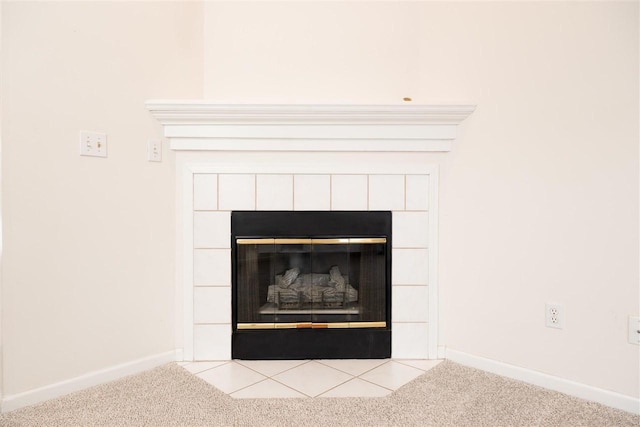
<point x="205" y="112"/>
<point x="206" y="126"/>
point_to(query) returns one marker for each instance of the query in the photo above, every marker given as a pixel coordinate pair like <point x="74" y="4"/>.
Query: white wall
<point x="539" y="199"/>
<point x="88" y="263"/>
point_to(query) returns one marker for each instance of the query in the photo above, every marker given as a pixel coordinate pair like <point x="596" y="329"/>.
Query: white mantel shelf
<point x="206" y="126"/>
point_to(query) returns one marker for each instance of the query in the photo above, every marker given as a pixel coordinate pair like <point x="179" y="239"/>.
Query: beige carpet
<point x="448" y="395"/>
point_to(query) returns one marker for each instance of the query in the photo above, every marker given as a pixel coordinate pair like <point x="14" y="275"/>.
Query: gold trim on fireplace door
<point x="270" y="241"/>
<point x="311" y="325"/>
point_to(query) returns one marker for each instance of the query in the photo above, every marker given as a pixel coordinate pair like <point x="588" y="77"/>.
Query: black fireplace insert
<point x="311" y="284"/>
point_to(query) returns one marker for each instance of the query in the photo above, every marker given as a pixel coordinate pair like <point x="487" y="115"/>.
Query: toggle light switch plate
<point x="154" y="150"/>
<point x="93" y="144"/>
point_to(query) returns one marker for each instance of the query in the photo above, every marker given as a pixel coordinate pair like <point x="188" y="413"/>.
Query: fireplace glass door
<point x="317" y="283"/>
<point x="311" y="284"/>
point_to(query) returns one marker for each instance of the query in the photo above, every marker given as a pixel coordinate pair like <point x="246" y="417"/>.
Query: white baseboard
<point x="31" y="397"/>
<point x="572" y="388"/>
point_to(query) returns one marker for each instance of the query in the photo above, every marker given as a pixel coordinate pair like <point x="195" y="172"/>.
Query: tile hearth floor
<point x="309" y="378"/>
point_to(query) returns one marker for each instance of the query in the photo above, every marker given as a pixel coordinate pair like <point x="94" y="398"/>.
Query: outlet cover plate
<point x="554" y="315"/>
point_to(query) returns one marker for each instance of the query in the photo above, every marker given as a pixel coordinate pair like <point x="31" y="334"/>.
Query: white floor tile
<point x="270" y="368"/>
<point x="197" y="367"/>
<point x="231" y="377"/>
<point x="302" y="378"/>
<point x="392" y="375"/>
<point x="312" y="378"/>
<point x="353" y="366"/>
<point x="266" y="389"/>
<point x="357" y="388"/>
<point x="425" y="365"/>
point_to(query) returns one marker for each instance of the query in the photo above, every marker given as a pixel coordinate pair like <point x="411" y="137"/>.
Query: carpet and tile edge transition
<point x="448" y="394"/>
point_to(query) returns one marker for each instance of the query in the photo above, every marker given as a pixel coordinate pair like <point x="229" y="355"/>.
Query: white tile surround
<point x="305" y="157"/>
<point x="212" y="246"/>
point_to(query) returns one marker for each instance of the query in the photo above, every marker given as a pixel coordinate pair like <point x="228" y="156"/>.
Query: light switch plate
<point x="93" y="144"/>
<point x="154" y="150"/>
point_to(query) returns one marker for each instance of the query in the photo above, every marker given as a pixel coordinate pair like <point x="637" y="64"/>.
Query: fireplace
<point x="309" y="285"/>
<point x="298" y="158"/>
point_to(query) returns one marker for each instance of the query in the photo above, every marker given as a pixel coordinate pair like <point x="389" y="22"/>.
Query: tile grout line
<point x="380" y="365"/>
<point x="320" y="363"/>
<point x="271" y="376"/>
<point x="337" y="369"/>
<point x="335" y="386"/>
<point x="390" y="361"/>
<point x="381" y="386"/>
<point x="255" y="192"/>
<point x="244" y="366"/>
<point x="411" y="366"/>
<point x="289" y="387"/>
<point x="349" y="373"/>
<point x="208" y="369"/>
<point x="391" y="209"/>
<point x="398" y="361"/>
<point x="368" y="191"/>
<point x="405" y="193"/>
<point x="245" y="387"/>
<point x="353" y="377"/>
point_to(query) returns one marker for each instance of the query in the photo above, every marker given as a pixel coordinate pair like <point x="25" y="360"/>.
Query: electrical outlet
<point x="634" y="330"/>
<point x="93" y="144"/>
<point x="554" y="316"/>
<point x="154" y="150"/>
